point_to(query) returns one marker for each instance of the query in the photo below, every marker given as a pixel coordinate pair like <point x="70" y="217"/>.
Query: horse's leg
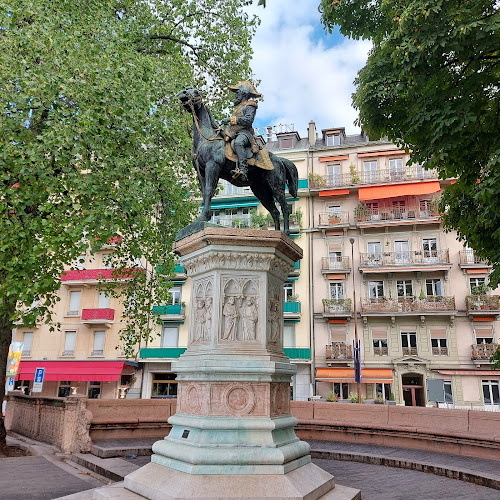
<point x="265" y="196"/>
<point x="212" y="171"/>
<point x="201" y="177"/>
<point x="280" y="196"/>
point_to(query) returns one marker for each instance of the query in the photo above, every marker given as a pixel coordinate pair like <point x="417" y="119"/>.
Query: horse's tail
<point x="292" y="176"/>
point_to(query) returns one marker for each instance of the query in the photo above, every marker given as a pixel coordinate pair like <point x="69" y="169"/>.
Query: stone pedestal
<point x="233" y="435"/>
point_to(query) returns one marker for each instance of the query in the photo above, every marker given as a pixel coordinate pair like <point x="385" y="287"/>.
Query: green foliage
<point x="431" y="85"/>
<point x="258" y="220"/>
<point x="480" y="289"/>
<point x="316" y="180"/>
<point x="495" y="359"/>
<point x="422" y="295"/>
<point x="93" y="144"/>
<point x="332" y="397"/>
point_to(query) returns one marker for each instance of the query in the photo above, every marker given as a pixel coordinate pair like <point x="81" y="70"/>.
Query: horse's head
<point x="190" y="99"/>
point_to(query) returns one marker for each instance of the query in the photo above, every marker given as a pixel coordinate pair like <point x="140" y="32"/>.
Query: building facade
<point x="423" y="315"/>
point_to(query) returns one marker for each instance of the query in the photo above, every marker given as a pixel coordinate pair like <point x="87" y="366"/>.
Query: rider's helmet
<point x="245" y="88"/>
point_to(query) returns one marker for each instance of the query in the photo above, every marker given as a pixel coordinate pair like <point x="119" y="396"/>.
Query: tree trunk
<point x="5" y="340"/>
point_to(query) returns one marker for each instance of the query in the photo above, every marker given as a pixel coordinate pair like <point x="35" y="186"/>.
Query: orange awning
<point x="477" y="271"/>
<point x="481" y="373"/>
<point x="383" y="153"/>
<point x="334" y="192"/>
<point x="379" y="192"/>
<point x="369" y="375"/>
<point x="334" y="158"/>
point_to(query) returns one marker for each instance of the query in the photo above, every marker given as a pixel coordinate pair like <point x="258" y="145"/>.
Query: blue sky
<point x="305" y="73"/>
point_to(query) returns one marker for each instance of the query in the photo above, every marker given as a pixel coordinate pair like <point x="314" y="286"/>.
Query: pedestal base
<point x="156" y="482"/>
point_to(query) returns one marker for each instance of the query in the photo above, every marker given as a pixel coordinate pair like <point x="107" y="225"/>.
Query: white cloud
<point x="303" y="77"/>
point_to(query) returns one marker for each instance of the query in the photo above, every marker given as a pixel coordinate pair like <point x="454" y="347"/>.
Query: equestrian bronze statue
<point x="229" y="151"/>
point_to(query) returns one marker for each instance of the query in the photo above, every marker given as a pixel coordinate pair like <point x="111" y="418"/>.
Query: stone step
<point x="112" y="468"/>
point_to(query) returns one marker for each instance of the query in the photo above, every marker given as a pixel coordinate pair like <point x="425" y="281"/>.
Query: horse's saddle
<point x="256" y="156"/>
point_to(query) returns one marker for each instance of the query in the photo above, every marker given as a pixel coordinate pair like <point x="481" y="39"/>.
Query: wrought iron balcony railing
<point x="408" y="304"/>
<point x="380" y="351"/>
<point x="335" y="262"/>
<point x="469" y="257"/>
<point x="97" y="353"/>
<point x="483" y="351"/>
<point x="337" y="306"/>
<point x="68" y="353"/>
<point x="327" y="219"/>
<point x="440" y="351"/>
<point x="393" y="214"/>
<point x="409" y="351"/>
<point x="339" y="350"/>
<point x="482" y="302"/>
<point x="405" y="258"/>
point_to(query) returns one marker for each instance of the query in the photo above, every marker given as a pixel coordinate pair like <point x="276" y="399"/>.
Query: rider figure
<point x="240" y="126"/>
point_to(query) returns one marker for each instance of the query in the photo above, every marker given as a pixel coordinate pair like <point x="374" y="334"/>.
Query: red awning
<point x="481" y="373"/>
<point x="394" y="190"/>
<point x="96" y="371"/>
<point x="368" y="375"/>
<point x="334" y="192"/>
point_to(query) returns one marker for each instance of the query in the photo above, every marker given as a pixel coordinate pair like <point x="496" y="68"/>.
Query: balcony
<point x="391" y="216"/>
<point x="409" y="351"/>
<point x="297" y="352"/>
<point x="405" y="305"/>
<point x="97" y="316"/>
<point x="440" y="351"/>
<point x="469" y="259"/>
<point x="380" y="351"/>
<point x="337" y="308"/>
<point x="338" y="219"/>
<point x="482" y="305"/>
<point x="170" y="312"/>
<point x="483" y="351"/>
<point x="336" y="264"/>
<point x="295" y="270"/>
<point x="355" y="178"/>
<point x="339" y="350"/>
<point x="92" y="276"/>
<point x="291" y="310"/>
<point x="438" y="260"/>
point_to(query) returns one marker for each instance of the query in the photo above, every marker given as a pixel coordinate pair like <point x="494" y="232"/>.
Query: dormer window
<point x="333" y="139"/>
<point x="333" y="136"/>
<point x="288" y="140"/>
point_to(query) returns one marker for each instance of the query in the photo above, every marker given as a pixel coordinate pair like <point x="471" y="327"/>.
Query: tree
<point x="430" y="84"/>
<point x="94" y="145"/>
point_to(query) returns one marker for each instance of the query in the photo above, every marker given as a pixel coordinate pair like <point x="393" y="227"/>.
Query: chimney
<point x="269" y="133"/>
<point x="311" y="133"/>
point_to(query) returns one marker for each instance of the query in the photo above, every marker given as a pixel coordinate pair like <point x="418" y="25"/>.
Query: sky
<point x="305" y="73"/>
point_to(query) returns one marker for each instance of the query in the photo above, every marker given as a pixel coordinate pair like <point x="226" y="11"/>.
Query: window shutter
<point x="69" y="341"/>
<point x="379" y="333"/>
<point x="438" y="332"/>
<point x="334" y="247"/>
<point x="484" y="331"/>
<point x="99" y="337"/>
<point x="338" y="334"/>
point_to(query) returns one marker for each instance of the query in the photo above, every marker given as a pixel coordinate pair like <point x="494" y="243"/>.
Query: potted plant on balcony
<point x="355" y="179"/>
<point x="480" y="291"/>
<point x="333" y="219"/>
<point x="317" y="180"/>
<point x="332" y="397"/>
<point x="434" y="206"/>
<point x="361" y="212"/>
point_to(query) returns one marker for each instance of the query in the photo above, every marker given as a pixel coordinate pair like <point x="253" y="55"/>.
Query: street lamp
<point x="357" y="361"/>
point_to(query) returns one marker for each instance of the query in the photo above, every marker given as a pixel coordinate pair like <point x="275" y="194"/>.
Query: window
<point x="98" y="347"/>
<point x="438" y="341"/>
<point x="289" y="334"/>
<point x="22" y="385"/>
<point x="342" y="389"/>
<point x="27" y="343"/>
<point x="336" y="291"/>
<point x="475" y="282"/>
<point x="405" y="288"/>
<point x="425" y="208"/>
<point x="491" y="392"/>
<point x="374" y="250"/>
<point x="94" y="390"/>
<point x="433" y="287"/>
<point x="333" y="140"/>
<point x="175" y="295"/>
<point x="372" y="210"/>
<point x="103" y="300"/>
<point x="399" y="209"/>
<point x="286" y="143"/>
<point x="396" y="169"/>
<point x="429" y="246"/>
<point x="64" y="389"/>
<point x="484" y="335"/>
<point x="333" y="172"/>
<point x="164" y="385"/>
<point x="335" y="255"/>
<point x="170" y="336"/>
<point x="107" y="261"/>
<point x="376" y="289"/>
<point x="383" y="390"/>
<point x="334" y="210"/>
<point x="402" y="251"/>
<point x="370" y="168"/>
<point x="379" y="336"/>
<point x="74" y="303"/>
<point x="79" y="263"/>
<point x="337" y="334"/>
<point x="69" y="344"/>
<point x="288" y="291"/>
<point x="423" y="173"/>
<point x="409" y="343"/>
<point x="448" y="391"/>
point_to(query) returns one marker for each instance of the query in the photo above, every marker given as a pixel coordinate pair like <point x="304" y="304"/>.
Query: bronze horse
<point x="209" y="159"/>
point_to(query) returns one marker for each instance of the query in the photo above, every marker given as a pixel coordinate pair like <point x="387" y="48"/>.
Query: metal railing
<point x="380" y="351"/>
<point x="68" y="353"/>
<point x="440" y="351"/>
<point x="409" y="351"/>
<point x="391" y="214"/>
<point x="408" y="304"/>
<point x="339" y="350"/>
<point x="337" y="306"/>
<point x="369" y="177"/>
<point x="328" y="219"/>
<point x="335" y="262"/>
<point x="483" y="351"/>
<point x="97" y="353"/>
<point x="469" y="257"/>
<point x="482" y="302"/>
<point x="405" y="258"/>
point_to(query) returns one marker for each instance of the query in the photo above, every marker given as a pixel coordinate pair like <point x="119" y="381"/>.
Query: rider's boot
<point x="241" y="171"/>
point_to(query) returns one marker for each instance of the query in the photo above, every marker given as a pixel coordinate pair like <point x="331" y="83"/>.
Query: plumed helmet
<point x="246" y="87"/>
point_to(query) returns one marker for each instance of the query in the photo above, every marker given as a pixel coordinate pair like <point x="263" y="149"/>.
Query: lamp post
<point x="357" y="363"/>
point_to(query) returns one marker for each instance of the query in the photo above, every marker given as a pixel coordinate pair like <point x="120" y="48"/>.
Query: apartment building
<point x="425" y="321"/>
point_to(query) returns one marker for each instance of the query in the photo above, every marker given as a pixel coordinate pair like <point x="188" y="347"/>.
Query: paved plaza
<point x="49" y="475"/>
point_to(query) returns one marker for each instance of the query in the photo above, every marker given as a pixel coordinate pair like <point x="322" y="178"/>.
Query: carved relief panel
<point x="202" y="311"/>
<point x="275" y="313"/>
<point x="240" y="309"/>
